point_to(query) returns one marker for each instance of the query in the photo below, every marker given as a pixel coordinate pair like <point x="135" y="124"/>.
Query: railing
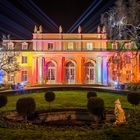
<point x="75" y="50"/>
<point x="62" y="50"/>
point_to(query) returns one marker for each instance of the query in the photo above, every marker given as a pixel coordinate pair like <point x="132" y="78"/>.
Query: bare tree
<point x="8" y="57"/>
<point x="123" y="22"/>
<point x="134" y="12"/>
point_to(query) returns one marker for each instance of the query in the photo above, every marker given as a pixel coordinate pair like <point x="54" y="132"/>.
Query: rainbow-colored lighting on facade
<point x="70" y="58"/>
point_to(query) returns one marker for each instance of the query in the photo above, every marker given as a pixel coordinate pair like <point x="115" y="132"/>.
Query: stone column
<point x="34" y="71"/>
<point x="40" y="70"/>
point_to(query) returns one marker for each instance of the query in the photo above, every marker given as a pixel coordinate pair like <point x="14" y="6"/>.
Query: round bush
<point x="91" y="94"/>
<point x="95" y="106"/>
<point x="133" y="98"/>
<point x="25" y="106"/>
<point x="3" y="100"/>
<point x="49" y="96"/>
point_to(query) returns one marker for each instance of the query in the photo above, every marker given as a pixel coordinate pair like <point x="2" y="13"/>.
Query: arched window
<point x="70" y="73"/>
<point x="89" y="73"/>
<point x="51" y="72"/>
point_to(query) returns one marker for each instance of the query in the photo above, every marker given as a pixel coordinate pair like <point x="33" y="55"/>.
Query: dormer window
<point x="24" y="46"/>
<point x="89" y="46"/>
<point x="10" y="46"/>
<point x="50" y="46"/>
<point x="114" y="46"/>
<point x="128" y="45"/>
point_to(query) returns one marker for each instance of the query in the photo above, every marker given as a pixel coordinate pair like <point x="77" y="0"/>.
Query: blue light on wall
<point x="105" y="71"/>
<point x="1" y="76"/>
<point x="99" y="70"/>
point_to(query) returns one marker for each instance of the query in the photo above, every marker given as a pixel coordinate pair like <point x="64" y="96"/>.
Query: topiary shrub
<point x="91" y="94"/>
<point x="134" y="99"/>
<point x="3" y="100"/>
<point x="96" y="107"/>
<point x="25" y="106"/>
<point x="49" y="97"/>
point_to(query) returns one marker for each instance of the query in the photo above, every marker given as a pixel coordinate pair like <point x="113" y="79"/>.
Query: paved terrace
<point x="98" y="88"/>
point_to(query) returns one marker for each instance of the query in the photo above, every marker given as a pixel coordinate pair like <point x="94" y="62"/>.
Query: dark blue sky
<point x="18" y="17"/>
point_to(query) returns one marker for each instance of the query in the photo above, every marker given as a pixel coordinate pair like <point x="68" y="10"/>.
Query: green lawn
<point x="120" y="133"/>
<point x="69" y="99"/>
<point x="66" y="99"/>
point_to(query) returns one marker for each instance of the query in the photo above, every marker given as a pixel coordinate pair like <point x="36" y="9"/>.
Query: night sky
<point x="18" y="17"/>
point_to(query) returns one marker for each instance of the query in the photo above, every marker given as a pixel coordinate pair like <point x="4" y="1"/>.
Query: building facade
<point x="73" y="58"/>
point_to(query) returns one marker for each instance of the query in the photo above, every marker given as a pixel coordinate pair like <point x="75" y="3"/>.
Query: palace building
<point x="73" y="58"/>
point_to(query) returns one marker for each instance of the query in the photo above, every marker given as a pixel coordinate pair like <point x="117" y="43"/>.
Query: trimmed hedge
<point x="91" y="94"/>
<point x="96" y="106"/>
<point x="133" y="98"/>
<point x="3" y="100"/>
<point x="49" y="96"/>
<point x="25" y="106"/>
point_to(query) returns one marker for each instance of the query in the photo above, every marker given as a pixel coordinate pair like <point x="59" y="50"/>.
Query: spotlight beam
<point x="87" y="10"/>
<point x="85" y="17"/>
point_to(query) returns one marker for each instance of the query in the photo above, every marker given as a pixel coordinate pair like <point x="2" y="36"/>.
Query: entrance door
<point x="70" y="73"/>
<point x="89" y="73"/>
<point x="51" y="73"/>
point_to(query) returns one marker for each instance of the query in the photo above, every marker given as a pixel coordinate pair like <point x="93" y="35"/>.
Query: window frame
<point x="24" y="45"/>
<point x="24" y="59"/>
<point x="128" y="45"/>
<point x="89" y="46"/>
<point x="70" y="46"/>
<point x="50" y="46"/>
<point x="10" y="46"/>
<point x="24" y="74"/>
<point x="115" y="44"/>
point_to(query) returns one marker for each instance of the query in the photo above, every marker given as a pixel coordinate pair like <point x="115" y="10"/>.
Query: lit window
<point x="10" y="46"/>
<point x="70" y="46"/>
<point x="24" y="46"/>
<point x="70" y="72"/>
<point x="11" y="77"/>
<point x="89" y="46"/>
<point x="24" y="76"/>
<point x="114" y="46"/>
<point x="128" y="60"/>
<point x="50" y="46"/>
<point x="128" y="46"/>
<point x="114" y="75"/>
<point x="128" y="75"/>
<point x="10" y="60"/>
<point x="89" y="72"/>
<point x="51" y="72"/>
<point x="24" y="59"/>
<point x="115" y="60"/>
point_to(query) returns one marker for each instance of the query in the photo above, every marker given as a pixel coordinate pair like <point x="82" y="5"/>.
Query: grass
<point x="69" y="99"/>
<point x="66" y="99"/>
<point x="119" y="133"/>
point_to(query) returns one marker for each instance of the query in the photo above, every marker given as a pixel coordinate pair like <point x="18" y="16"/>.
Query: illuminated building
<point x="71" y="58"/>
